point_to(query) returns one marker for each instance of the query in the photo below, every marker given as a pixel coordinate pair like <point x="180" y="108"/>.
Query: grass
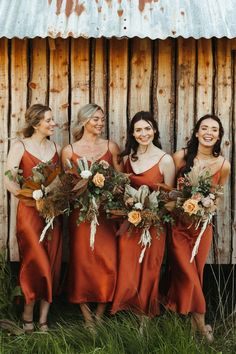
<point x="118" y="334"/>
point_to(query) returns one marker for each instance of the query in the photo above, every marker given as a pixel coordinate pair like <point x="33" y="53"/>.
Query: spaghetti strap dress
<point x="40" y="262"/>
<point x="137" y="286"/>
<point x="185" y="293"/>
<point x="91" y="274"/>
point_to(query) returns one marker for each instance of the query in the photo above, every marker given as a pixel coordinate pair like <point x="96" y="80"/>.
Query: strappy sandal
<point x="43" y="327"/>
<point x="28" y="326"/>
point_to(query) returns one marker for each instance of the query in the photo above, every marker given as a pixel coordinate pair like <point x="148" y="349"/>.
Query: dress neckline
<point x="80" y="157"/>
<point x="40" y="159"/>
<point x="149" y="169"/>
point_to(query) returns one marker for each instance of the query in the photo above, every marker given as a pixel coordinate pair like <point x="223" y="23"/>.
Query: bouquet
<point x="43" y="190"/>
<point x="96" y="185"/>
<point x="142" y="209"/>
<point x="196" y="198"/>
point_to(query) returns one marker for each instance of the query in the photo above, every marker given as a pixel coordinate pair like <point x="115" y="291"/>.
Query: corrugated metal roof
<point x="119" y="18"/>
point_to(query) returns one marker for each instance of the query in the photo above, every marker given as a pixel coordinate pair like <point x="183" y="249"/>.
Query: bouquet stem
<point x="145" y="241"/>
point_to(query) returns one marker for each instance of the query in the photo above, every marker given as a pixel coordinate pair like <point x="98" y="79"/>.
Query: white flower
<point x="207" y="202"/>
<point x="138" y="206"/>
<point x="212" y="196"/>
<point x="37" y="194"/>
<point x="104" y="164"/>
<point x="86" y="174"/>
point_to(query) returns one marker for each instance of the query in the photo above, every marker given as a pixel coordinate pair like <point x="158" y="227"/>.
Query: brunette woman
<point x="39" y="262"/>
<point x="137" y="283"/>
<point x="91" y="273"/>
<point x="185" y="294"/>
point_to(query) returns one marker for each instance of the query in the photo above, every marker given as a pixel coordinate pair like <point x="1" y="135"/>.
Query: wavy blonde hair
<point x="33" y="115"/>
<point x="84" y="115"/>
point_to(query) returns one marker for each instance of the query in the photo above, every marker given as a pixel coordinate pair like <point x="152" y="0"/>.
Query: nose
<point x="143" y="133"/>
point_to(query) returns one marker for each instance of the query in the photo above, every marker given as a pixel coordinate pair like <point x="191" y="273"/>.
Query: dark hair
<point x="131" y="143"/>
<point x="33" y="116"/>
<point x="192" y="144"/>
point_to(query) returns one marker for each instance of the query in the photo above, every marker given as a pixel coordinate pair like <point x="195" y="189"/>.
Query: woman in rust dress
<point x="185" y="294"/>
<point x="138" y="283"/>
<point x="91" y="273"/>
<point x="39" y="262"/>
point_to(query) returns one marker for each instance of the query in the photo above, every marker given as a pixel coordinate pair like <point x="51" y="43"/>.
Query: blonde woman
<point x="91" y="273"/>
<point x="39" y="262"/>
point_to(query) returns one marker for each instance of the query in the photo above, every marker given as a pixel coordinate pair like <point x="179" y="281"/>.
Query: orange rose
<point x="134" y="217"/>
<point x="99" y="180"/>
<point x="191" y="206"/>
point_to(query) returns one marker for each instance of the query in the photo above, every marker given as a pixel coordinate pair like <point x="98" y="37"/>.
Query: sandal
<point x="208" y="333"/>
<point x="28" y="326"/>
<point x="43" y="327"/>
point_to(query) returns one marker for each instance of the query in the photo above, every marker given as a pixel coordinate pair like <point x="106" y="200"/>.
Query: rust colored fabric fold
<point x="40" y="263"/>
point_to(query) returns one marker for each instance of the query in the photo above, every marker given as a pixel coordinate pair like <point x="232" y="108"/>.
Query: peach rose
<point x="99" y="180"/>
<point x="134" y="217"/>
<point x="191" y="206"/>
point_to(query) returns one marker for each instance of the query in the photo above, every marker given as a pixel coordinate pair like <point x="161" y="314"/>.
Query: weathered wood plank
<point x="4" y="110"/>
<point x="186" y="61"/>
<point x="99" y="76"/>
<point x="204" y="87"/>
<point x="163" y="92"/>
<point x="233" y="166"/>
<point x="80" y="75"/>
<point x="59" y="88"/>
<point x="223" y="108"/>
<point x="141" y="75"/>
<point x="118" y="82"/>
<point x="38" y="75"/>
<point x="19" y="75"/>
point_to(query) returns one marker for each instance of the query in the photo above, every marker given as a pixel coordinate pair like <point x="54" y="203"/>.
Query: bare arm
<point x="115" y="150"/>
<point x="13" y="162"/>
<point x="179" y="161"/>
<point x="167" y="167"/>
<point x="225" y="171"/>
<point x="66" y="154"/>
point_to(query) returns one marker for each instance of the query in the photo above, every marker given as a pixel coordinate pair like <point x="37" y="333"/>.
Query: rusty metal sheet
<point x="118" y="18"/>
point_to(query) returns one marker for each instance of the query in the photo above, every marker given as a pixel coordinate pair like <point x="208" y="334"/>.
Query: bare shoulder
<point x="226" y="166"/>
<point x="179" y="155"/>
<point x="113" y="147"/>
<point x="17" y="148"/>
<point x="167" y="159"/>
<point x="58" y="147"/>
<point x="67" y="151"/>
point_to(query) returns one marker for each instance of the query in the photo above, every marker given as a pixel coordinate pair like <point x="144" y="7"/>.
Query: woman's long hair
<point x="33" y="115"/>
<point x="192" y="145"/>
<point x="85" y="113"/>
<point x="131" y="144"/>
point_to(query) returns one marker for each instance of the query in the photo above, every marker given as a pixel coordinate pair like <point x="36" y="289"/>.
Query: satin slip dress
<point x="185" y="293"/>
<point x="137" y="286"/>
<point x="40" y="263"/>
<point x="91" y="275"/>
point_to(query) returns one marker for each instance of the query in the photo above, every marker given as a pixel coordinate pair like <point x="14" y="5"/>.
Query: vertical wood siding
<point x="179" y="80"/>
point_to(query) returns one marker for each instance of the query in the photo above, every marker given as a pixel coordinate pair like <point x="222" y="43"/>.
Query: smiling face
<point x="96" y="123"/>
<point x="46" y="125"/>
<point x="143" y="132"/>
<point x="208" y="133"/>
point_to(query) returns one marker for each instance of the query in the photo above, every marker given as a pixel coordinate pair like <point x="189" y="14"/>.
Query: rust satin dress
<point x="137" y="286"/>
<point x="91" y="275"/>
<point x="40" y="263"/>
<point x="185" y="293"/>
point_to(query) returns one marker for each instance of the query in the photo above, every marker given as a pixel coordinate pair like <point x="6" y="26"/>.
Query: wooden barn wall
<point x="179" y="80"/>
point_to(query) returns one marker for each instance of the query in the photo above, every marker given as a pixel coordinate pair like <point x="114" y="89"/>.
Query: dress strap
<point x="72" y="148"/>
<point x="22" y="144"/>
<point x="222" y="165"/>
<point x="55" y="146"/>
<point x="161" y="158"/>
